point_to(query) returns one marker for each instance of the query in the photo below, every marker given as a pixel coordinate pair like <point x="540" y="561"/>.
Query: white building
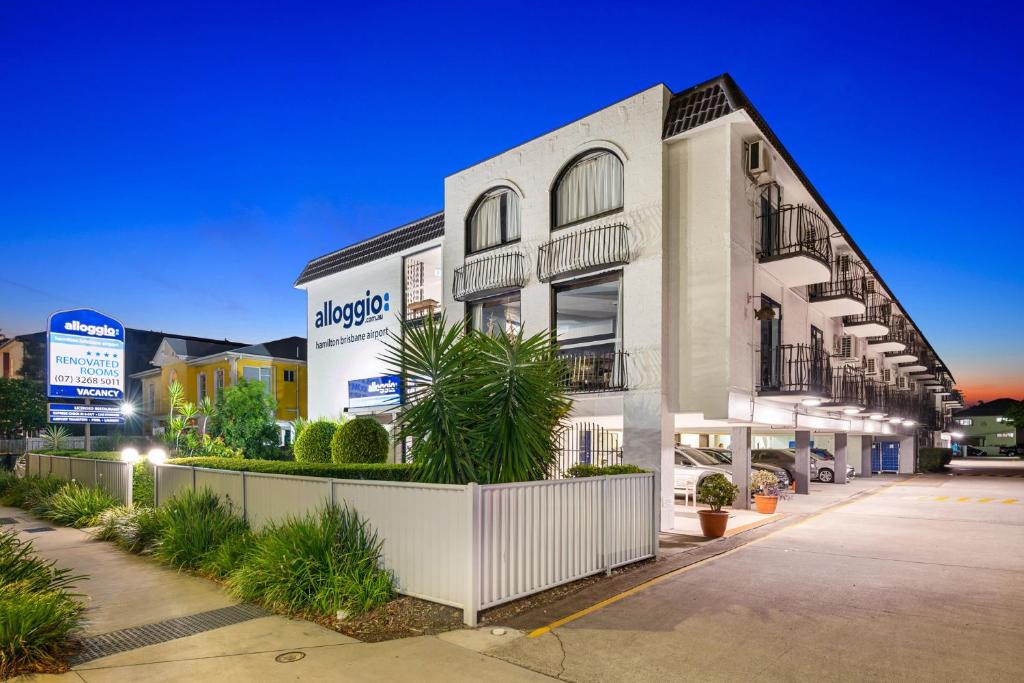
<point x="702" y="288"/>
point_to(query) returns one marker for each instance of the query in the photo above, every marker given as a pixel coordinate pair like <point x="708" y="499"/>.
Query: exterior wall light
<point x="127" y="409"/>
<point x="130" y="455"/>
<point x="957" y="435"/>
<point x="895" y="420"/>
<point x="811" y="402"/>
<point x="877" y="416"/>
<point x="909" y="423"/>
<point x="157" y="456"/>
<point x="851" y="411"/>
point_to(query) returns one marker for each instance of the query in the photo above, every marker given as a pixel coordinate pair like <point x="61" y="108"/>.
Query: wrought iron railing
<point x="582" y="251"/>
<point x="790" y="230"/>
<point x="490" y="275"/>
<point x="796" y="369"/>
<point x="876" y="395"/>
<point x="848" y="387"/>
<point x="847" y="281"/>
<point x="585" y="443"/>
<point x="879" y="310"/>
<point x="899" y="331"/>
<point x="593" y="371"/>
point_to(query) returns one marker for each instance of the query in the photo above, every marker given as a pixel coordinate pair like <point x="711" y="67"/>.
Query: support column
<point x="647" y="431"/>
<point x="803" y="461"/>
<point x="740" y="446"/>
<point x="865" y="455"/>
<point x="908" y="454"/>
<point x="841" y="448"/>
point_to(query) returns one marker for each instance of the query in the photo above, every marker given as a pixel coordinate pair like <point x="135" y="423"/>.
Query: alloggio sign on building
<point x="85" y="355"/>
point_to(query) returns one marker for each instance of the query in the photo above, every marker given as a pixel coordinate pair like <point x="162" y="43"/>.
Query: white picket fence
<point x="36" y="443"/>
<point x="112" y="476"/>
<point x="471" y="547"/>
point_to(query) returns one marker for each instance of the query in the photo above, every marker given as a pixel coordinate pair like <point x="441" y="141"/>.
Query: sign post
<point x="85" y="359"/>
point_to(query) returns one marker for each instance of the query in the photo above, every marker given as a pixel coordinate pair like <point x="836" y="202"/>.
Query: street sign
<point x="85" y="355"/>
<point x="71" y="413"/>
<point x="375" y="391"/>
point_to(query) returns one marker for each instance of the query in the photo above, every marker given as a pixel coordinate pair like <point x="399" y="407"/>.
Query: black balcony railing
<point x="848" y="387"/>
<point x="583" y="251"/>
<point x="592" y="371"/>
<point x="878" y="311"/>
<point x="899" y="332"/>
<point x="488" y="276"/>
<point x="796" y="369"/>
<point x="876" y="395"/>
<point x="790" y="230"/>
<point x="847" y="281"/>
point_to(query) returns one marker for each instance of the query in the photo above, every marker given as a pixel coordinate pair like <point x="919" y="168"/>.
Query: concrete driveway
<point x="921" y="580"/>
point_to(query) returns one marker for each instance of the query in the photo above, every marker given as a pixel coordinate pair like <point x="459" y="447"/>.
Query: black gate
<point x="587" y="443"/>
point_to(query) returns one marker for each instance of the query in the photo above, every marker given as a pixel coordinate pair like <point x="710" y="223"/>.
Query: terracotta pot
<point x="766" y="504"/>
<point x="712" y="524"/>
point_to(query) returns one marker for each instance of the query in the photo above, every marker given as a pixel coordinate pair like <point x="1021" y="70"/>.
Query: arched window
<point x="493" y="221"/>
<point x="590" y="186"/>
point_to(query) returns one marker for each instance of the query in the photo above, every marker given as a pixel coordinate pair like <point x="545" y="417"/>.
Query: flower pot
<point x="712" y="524"/>
<point x="766" y="504"/>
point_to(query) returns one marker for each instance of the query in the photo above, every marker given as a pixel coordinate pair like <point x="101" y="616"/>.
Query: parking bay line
<point x="537" y="632"/>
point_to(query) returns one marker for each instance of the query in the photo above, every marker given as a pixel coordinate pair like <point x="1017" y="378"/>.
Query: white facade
<point x="688" y="295"/>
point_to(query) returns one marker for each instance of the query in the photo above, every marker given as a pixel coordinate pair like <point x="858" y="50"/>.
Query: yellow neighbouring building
<point x="205" y="368"/>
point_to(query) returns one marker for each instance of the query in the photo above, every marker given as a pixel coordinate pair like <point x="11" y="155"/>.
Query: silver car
<point x="693" y="466"/>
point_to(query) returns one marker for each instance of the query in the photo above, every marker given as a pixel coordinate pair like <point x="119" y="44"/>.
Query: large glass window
<point x="497" y="314"/>
<point x="494" y="220"/>
<point x="590" y="186"/>
<point x="587" y="315"/>
<point x="423" y="289"/>
<point x="770" y="316"/>
<point x="200" y="387"/>
<point x="259" y="375"/>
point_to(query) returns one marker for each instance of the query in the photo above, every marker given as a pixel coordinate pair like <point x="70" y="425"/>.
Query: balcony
<point x="490" y="276"/>
<point x="874" y="321"/>
<point x="583" y="251"/>
<point x="876" y="396"/>
<point x="797" y="373"/>
<point x="895" y="340"/>
<point x="594" y="371"/>
<point x="848" y="390"/>
<point x="844" y="293"/>
<point x="795" y="247"/>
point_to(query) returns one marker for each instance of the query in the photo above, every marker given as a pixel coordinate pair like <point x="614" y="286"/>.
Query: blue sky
<point x="176" y="164"/>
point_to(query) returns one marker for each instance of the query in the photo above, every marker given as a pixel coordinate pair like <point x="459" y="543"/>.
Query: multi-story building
<point x="204" y="368"/>
<point x="700" y="287"/>
<point x="989" y="427"/>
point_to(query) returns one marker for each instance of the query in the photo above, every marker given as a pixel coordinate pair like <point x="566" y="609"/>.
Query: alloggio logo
<point x="354" y="313"/>
<point x="91" y="330"/>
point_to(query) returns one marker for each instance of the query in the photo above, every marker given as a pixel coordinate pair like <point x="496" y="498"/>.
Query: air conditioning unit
<point x="843" y="347"/>
<point x="758" y="158"/>
<point x="871" y="366"/>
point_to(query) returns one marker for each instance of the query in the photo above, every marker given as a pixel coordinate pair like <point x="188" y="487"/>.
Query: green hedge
<point x="82" y="453"/>
<point x="580" y="471"/>
<point x="314" y="443"/>
<point x="360" y="440"/>
<point x="380" y="472"/>
<point x="934" y="459"/>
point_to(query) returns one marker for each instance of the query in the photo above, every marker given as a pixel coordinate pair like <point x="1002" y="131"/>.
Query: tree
<point x="478" y="408"/>
<point x="244" y="417"/>
<point x="362" y="440"/>
<point x="1016" y="414"/>
<point x="22" y="407"/>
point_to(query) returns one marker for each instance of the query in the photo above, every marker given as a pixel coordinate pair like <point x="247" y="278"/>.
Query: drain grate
<point x="37" y="529"/>
<point x="8" y="520"/>
<point x="133" y="638"/>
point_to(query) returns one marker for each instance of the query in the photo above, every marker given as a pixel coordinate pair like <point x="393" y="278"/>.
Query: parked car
<point x="781" y="457"/>
<point x="725" y="455"/>
<point x="826" y="466"/>
<point x="693" y="465"/>
<point x="1011" y="451"/>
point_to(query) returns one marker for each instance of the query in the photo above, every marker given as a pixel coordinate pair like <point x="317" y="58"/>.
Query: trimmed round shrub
<point x="314" y="443"/>
<point x="360" y="440"/>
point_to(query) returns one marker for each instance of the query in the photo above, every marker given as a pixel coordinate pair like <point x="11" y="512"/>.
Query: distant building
<point x="987" y="425"/>
<point x="205" y="367"/>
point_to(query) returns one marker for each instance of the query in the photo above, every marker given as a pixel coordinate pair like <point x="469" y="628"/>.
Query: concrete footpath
<point x="125" y="591"/>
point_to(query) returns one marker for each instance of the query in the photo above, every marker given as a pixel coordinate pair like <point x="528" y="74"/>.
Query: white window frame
<point x="200" y="387"/>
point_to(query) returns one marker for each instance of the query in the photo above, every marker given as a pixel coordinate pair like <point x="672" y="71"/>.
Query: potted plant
<point x="767" y="491"/>
<point x="715" y="491"/>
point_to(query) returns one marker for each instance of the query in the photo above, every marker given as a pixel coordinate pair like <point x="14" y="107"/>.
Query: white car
<point x="693" y="465"/>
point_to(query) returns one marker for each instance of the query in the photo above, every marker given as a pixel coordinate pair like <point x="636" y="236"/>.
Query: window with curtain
<point x="497" y="314"/>
<point x="494" y="221"/>
<point x="587" y="315"/>
<point x="590" y="186"/>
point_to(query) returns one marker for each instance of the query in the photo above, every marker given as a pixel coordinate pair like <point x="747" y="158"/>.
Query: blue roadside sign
<point x="375" y="391"/>
<point x="85" y="355"/>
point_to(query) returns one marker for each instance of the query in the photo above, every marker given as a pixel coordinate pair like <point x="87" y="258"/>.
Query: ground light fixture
<point x="127" y="409"/>
<point x="157" y="456"/>
<point x="957" y="435"/>
<point x="130" y="455"/>
<point x="876" y="416"/>
<point x="909" y="423"/>
<point x="895" y="420"/>
<point x="811" y="402"/>
<point x="851" y="411"/>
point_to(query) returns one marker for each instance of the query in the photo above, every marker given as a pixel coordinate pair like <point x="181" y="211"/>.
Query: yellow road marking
<point x="962" y="500"/>
<point x="985" y="500"/>
<point x="941" y="498"/>
<point x="537" y="632"/>
<point x="1009" y="501"/>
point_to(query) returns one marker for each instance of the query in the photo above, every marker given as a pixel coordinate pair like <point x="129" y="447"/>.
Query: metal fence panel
<point x="273" y="497"/>
<point x="172" y="480"/>
<point x="60" y="467"/>
<point x="116" y="479"/>
<point x="83" y="471"/>
<point x="425" y="533"/>
<point x="226" y="485"/>
<point x="113" y="476"/>
<point x="628" y="506"/>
